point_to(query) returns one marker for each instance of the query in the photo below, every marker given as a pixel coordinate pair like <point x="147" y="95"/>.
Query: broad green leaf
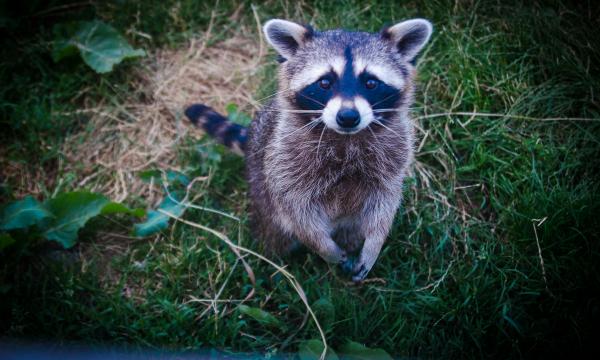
<point x="99" y="44"/>
<point x="355" y="351"/>
<point x="5" y="241"/>
<point x="72" y="210"/>
<point x="312" y="350"/>
<point x="118" y="208"/>
<point x="23" y="213"/>
<point x="259" y="315"/>
<point x="156" y="220"/>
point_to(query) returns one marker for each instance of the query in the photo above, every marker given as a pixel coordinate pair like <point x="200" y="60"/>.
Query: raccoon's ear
<point x="286" y="36"/>
<point x="409" y="36"/>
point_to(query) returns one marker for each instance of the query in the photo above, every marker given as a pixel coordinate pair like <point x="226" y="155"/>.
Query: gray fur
<point x="336" y="194"/>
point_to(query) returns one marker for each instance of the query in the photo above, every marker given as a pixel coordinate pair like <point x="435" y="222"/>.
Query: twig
<point x="287" y="341"/>
<point x="537" y="241"/>
<point x="295" y="284"/>
<point x="437" y="283"/>
<point x="185" y="203"/>
<point x="518" y="117"/>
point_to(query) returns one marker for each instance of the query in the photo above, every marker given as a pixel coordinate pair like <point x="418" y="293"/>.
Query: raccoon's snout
<point x="348" y="118"/>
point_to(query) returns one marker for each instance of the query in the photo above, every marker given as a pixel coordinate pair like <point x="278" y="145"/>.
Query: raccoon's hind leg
<point x="273" y="240"/>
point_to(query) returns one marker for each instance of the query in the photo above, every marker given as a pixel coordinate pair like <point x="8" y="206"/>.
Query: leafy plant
<point x="60" y="218"/>
<point x="462" y="258"/>
<point x="355" y="351"/>
<point x="237" y="116"/>
<point x="101" y="46"/>
<point x="259" y="315"/>
<point x="312" y="350"/>
<point x="157" y="220"/>
<point x="24" y="213"/>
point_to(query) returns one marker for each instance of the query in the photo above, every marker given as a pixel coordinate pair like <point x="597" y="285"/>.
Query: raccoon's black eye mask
<point x="316" y="95"/>
<point x="379" y="94"/>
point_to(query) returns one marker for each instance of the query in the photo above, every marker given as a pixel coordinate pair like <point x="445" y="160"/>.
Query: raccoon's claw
<point x="362" y="267"/>
<point x="360" y="274"/>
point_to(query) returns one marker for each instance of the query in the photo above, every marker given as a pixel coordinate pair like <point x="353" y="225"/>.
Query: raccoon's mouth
<point x="345" y="131"/>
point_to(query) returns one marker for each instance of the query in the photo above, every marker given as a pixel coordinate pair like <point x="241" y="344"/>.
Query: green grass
<point x="460" y="276"/>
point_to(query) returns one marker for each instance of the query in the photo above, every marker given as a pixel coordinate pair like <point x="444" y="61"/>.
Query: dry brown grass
<point x="25" y="180"/>
<point x="145" y="129"/>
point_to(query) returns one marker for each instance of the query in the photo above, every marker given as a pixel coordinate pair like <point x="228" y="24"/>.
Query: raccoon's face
<point x="347" y="80"/>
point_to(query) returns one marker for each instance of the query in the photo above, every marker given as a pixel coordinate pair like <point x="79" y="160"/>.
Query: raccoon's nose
<point x="348" y="118"/>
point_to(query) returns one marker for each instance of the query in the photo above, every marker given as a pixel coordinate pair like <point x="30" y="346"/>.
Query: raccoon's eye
<point x="371" y="84"/>
<point x="325" y="84"/>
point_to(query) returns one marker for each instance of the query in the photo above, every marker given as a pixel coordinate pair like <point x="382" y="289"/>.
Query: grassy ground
<point x="493" y="254"/>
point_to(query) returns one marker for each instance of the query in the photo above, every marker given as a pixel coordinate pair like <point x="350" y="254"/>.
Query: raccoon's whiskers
<point x="372" y="132"/>
<point x="312" y="99"/>
<point x="319" y="143"/>
<point x="313" y="122"/>
<point x="378" y="122"/>
<point x="308" y="127"/>
<point x="316" y="122"/>
<point x="285" y="91"/>
<point x="382" y="100"/>
<point x="295" y="111"/>
<point x="376" y="111"/>
<point x="272" y="95"/>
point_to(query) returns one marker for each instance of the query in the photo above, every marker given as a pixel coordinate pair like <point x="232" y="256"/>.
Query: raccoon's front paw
<point x="333" y="253"/>
<point x="362" y="267"/>
<point x="359" y="272"/>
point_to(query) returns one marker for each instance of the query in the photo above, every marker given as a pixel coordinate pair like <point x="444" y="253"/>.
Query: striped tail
<point x="219" y="127"/>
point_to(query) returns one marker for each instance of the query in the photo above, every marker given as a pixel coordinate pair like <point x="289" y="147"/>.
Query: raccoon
<point x="326" y="157"/>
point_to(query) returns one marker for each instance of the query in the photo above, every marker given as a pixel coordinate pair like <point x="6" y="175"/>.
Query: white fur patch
<point x="383" y="73"/>
<point x="312" y="73"/>
<point x="308" y="76"/>
<point x="338" y="64"/>
<point x="330" y="112"/>
<point x="359" y="66"/>
<point x="386" y="75"/>
<point x="365" y="111"/>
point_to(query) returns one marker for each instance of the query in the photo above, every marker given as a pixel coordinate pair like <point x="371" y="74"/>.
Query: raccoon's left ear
<point x="409" y="36"/>
<point x="286" y="36"/>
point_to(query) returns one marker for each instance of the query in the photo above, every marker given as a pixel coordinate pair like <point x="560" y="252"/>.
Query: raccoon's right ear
<point x="286" y="36"/>
<point x="409" y="36"/>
